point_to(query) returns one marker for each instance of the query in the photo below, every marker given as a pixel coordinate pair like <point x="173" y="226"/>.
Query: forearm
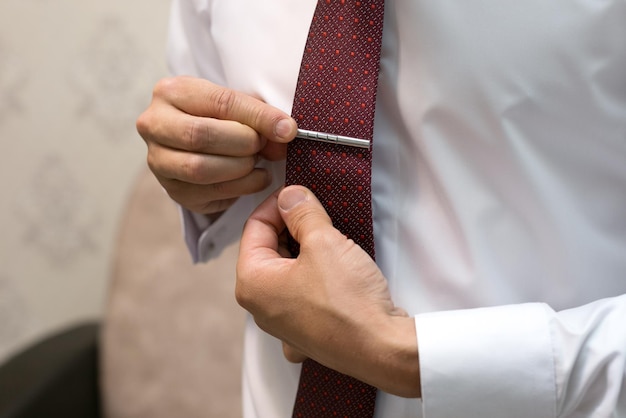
<point x="381" y="352"/>
<point x="395" y="359"/>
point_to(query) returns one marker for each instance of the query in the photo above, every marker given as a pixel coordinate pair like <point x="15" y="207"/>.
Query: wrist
<point x="398" y="361"/>
<point x="391" y="362"/>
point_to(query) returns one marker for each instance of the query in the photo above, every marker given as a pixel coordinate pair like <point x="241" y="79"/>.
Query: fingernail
<point x="290" y="198"/>
<point x="284" y="129"/>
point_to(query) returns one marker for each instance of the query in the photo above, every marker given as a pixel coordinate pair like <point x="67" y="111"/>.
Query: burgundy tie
<point x="334" y="107"/>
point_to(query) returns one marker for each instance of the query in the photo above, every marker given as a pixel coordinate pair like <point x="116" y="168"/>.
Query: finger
<point x="212" y="198"/>
<point x="260" y="237"/>
<point x="210" y="208"/>
<point x="292" y="355"/>
<point x="274" y="151"/>
<point x="303" y="214"/>
<point x="197" y="168"/>
<point x="259" y="261"/>
<point x="172" y="128"/>
<point x="202" y="98"/>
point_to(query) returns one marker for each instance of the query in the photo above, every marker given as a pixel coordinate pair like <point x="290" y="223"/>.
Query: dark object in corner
<point x="56" y="377"/>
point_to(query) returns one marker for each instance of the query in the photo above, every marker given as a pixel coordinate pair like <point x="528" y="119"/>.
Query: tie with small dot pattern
<point x="336" y="94"/>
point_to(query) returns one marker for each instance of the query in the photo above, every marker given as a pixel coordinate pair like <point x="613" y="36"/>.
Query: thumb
<point x="302" y="212"/>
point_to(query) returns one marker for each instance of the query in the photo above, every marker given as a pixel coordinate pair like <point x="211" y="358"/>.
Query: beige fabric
<point x="172" y="341"/>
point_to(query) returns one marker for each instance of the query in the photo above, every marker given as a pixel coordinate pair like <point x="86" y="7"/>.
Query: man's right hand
<point x="204" y="142"/>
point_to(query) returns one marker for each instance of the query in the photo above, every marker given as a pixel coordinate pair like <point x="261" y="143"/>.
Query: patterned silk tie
<point x="334" y="107"/>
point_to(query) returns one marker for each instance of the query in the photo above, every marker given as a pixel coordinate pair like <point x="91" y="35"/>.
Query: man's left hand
<point x="331" y="303"/>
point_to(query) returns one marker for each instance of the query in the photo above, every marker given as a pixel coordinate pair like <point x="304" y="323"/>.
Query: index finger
<point x="260" y="237"/>
<point x="200" y="97"/>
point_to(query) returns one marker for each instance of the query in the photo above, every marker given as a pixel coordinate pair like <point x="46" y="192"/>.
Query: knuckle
<point x="264" y="117"/>
<point x="248" y="164"/>
<point x="260" y="180"/>
<point x="267" y="115"/>
<point x="166" y="87"/>
<point x="259" y="115"/>
<point x="219" y="189"/>
<point x="147" y="125"/>
<point x="223" y="100"/>
<point x="302" y="222"/>
<point x="153" y="160"/>
<point x="143" y="124"/>
<point x="194" y="169"/>
<point x="292" y="355"/>
<point x="319" y="237"/>
<point x="322" y="238"/>
<point x="252" y="146"/>
<point x="242" y="295"/>
<point x="195" y="135"/>
<point x="178" y="196"/>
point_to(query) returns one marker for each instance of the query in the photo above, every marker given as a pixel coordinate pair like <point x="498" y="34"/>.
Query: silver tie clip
<point x="333" y="139"/>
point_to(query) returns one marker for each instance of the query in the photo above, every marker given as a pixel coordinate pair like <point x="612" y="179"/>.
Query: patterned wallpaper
<point x="74" y="75"/>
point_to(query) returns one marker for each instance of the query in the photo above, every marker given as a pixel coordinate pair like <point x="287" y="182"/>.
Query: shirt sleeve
<point x="191" y="51"/>
<point x="190" y="47"/>
<point x="524" y="361"/>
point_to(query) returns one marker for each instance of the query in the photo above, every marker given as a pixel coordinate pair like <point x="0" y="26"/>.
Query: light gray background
<point x="74" y="75"/>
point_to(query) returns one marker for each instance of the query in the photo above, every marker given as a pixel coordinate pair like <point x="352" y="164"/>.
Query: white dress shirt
<point x="499" y="193"/>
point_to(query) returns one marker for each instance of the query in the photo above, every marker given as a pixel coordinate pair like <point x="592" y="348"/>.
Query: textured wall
<point x="74" y="75"/>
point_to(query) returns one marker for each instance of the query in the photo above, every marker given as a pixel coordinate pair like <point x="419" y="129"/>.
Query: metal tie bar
<point x="333" y="139"/>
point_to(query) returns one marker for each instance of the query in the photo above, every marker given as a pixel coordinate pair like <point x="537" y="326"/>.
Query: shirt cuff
<point x="205" y="239"/>
<point x="487" y="362"/>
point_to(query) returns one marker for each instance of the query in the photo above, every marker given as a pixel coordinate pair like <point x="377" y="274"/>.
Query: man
<point x="499" y="188"/>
